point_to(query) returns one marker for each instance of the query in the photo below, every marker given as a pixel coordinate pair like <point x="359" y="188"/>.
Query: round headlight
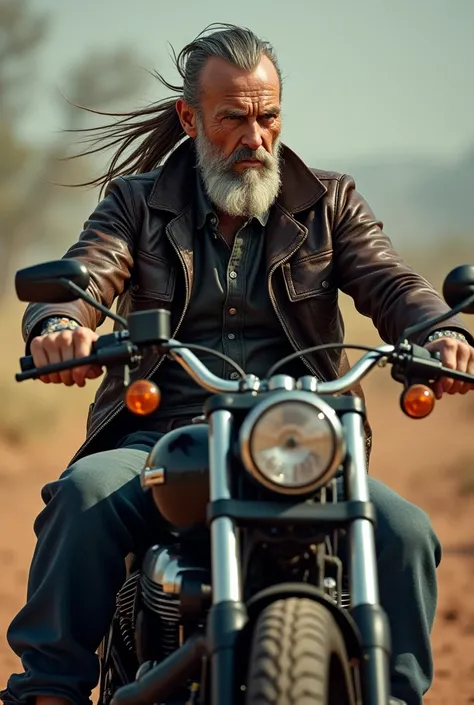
<point x="292" y="443"/>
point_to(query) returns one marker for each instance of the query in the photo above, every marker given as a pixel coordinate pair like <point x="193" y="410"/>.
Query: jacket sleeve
<point x="106" y="247"/>
<point x="382" y="286"/>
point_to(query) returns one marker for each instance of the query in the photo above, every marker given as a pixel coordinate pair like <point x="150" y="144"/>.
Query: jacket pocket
<point x="310" y="277"/>
<point x="153" y="279"/>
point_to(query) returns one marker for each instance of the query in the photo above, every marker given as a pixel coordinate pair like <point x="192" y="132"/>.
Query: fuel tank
<point x="177" y="474"/>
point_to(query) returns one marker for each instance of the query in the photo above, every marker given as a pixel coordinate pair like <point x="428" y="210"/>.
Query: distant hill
<point x="417" y="199"/>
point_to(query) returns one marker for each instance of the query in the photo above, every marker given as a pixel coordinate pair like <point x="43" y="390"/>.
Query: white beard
<point x="249" y="194"/>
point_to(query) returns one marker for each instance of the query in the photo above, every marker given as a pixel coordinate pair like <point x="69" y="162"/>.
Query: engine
<point x="163" y="602"/>
<point x="168" y="599"/>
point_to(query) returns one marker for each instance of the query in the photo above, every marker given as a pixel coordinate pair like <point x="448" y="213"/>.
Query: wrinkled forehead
<point x="222" y="82"/>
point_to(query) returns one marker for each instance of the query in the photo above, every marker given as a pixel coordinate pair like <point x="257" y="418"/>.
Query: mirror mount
<point x="458" y="292"/>
<point x="88" y="299"/>
<point x="60" y="281"/>
<point x="426" y="325"/>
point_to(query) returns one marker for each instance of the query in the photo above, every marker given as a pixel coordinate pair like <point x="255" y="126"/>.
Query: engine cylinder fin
<point x="167" y="608"/>
<point x="125" y="603"/>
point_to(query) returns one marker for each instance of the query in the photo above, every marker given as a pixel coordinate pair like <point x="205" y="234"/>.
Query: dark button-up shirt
<point x="230" y="311"/>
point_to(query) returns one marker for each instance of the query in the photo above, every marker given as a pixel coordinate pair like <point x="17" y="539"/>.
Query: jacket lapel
<point x="180" y="232"/>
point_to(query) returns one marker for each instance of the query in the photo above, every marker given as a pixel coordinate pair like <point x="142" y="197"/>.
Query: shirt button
<point x="213" y="220"/>
<point x="233" y="275"/>
<point x="231" y="336"/>
<point x="232" y="311"/>
<point x="234" y="375"/>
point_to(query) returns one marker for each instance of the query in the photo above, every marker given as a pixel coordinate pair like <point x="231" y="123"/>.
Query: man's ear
<point x="187" y="117"/>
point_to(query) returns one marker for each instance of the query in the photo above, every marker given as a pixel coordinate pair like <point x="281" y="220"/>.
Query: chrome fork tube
<point x="227" y="615"/>
<point x="362" y="559"/>
<point x="369" y="616"/>
<point x="226" y="580"/>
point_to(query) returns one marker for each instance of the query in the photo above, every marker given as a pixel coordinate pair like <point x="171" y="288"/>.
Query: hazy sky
<point x="363" y="77"/>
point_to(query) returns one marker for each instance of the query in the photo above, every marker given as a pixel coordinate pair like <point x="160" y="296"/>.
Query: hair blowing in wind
<point x="153" y="132"/>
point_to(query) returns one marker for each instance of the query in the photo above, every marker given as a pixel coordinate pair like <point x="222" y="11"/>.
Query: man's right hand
<point x="66" y="345"/>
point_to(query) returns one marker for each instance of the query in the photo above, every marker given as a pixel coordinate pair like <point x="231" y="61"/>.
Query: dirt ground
<point x="430" y="462"/>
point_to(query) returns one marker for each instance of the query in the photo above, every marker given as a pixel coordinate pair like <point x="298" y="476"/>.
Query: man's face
<point x="240" y="109"/>
<point x="238" y="136"/>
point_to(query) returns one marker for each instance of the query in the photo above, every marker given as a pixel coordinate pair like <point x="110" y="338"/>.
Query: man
<point x="247" y="247"/>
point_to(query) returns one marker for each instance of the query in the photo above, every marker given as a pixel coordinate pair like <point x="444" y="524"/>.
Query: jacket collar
<point x="175" y="185"/>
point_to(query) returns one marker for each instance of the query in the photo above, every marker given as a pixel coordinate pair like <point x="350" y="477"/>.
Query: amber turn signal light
<point x="142" y="397"/>
<point x="418" y="401"/>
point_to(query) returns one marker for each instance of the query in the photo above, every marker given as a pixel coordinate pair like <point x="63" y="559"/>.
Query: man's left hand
<point x="455" y="355"/>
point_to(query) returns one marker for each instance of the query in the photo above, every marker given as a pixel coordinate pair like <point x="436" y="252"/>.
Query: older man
<point x="247" y="247"/>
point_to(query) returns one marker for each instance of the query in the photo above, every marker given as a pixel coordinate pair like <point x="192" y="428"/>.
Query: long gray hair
<point x="157" y="126"/>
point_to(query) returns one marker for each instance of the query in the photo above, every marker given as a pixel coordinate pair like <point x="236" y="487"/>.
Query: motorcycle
<point x="266" y="591"/>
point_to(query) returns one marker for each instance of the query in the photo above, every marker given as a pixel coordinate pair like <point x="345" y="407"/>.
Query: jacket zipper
<point x="120" y="406"/>
<point x="280" y="317"/>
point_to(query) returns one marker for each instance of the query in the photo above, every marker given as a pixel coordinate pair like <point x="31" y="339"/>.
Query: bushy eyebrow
<point x="272" y="110"/>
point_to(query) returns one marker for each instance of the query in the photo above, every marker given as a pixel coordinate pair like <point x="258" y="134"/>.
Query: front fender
<point x="282" y="591"/>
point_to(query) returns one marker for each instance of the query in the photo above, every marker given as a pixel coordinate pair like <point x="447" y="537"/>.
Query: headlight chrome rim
<point x="319" y="405"/>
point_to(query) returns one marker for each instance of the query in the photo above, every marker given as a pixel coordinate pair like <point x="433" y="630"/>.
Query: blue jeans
<point x="97" y="513"/>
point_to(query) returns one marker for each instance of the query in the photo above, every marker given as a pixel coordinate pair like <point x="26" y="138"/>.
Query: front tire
<point x="298" y="657"/>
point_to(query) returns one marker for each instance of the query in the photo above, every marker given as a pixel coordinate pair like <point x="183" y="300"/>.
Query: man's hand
<point x="457" y="356"/>
<point x="66" y="345"/>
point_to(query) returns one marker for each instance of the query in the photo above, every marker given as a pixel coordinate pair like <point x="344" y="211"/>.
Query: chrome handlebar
<point x="217" y="385"/>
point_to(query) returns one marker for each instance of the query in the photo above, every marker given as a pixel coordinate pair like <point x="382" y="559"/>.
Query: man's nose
<point x="252" y="137"/>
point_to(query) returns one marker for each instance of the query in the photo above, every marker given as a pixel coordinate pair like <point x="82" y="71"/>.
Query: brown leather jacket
<point x="321" y="236"/>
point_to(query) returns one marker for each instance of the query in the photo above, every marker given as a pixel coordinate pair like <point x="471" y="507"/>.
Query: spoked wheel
<point x="298" y="657"/>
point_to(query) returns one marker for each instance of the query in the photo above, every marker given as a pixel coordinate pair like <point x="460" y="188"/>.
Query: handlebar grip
<point x="118" y="352"/>
<point x="27" y="363"/>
